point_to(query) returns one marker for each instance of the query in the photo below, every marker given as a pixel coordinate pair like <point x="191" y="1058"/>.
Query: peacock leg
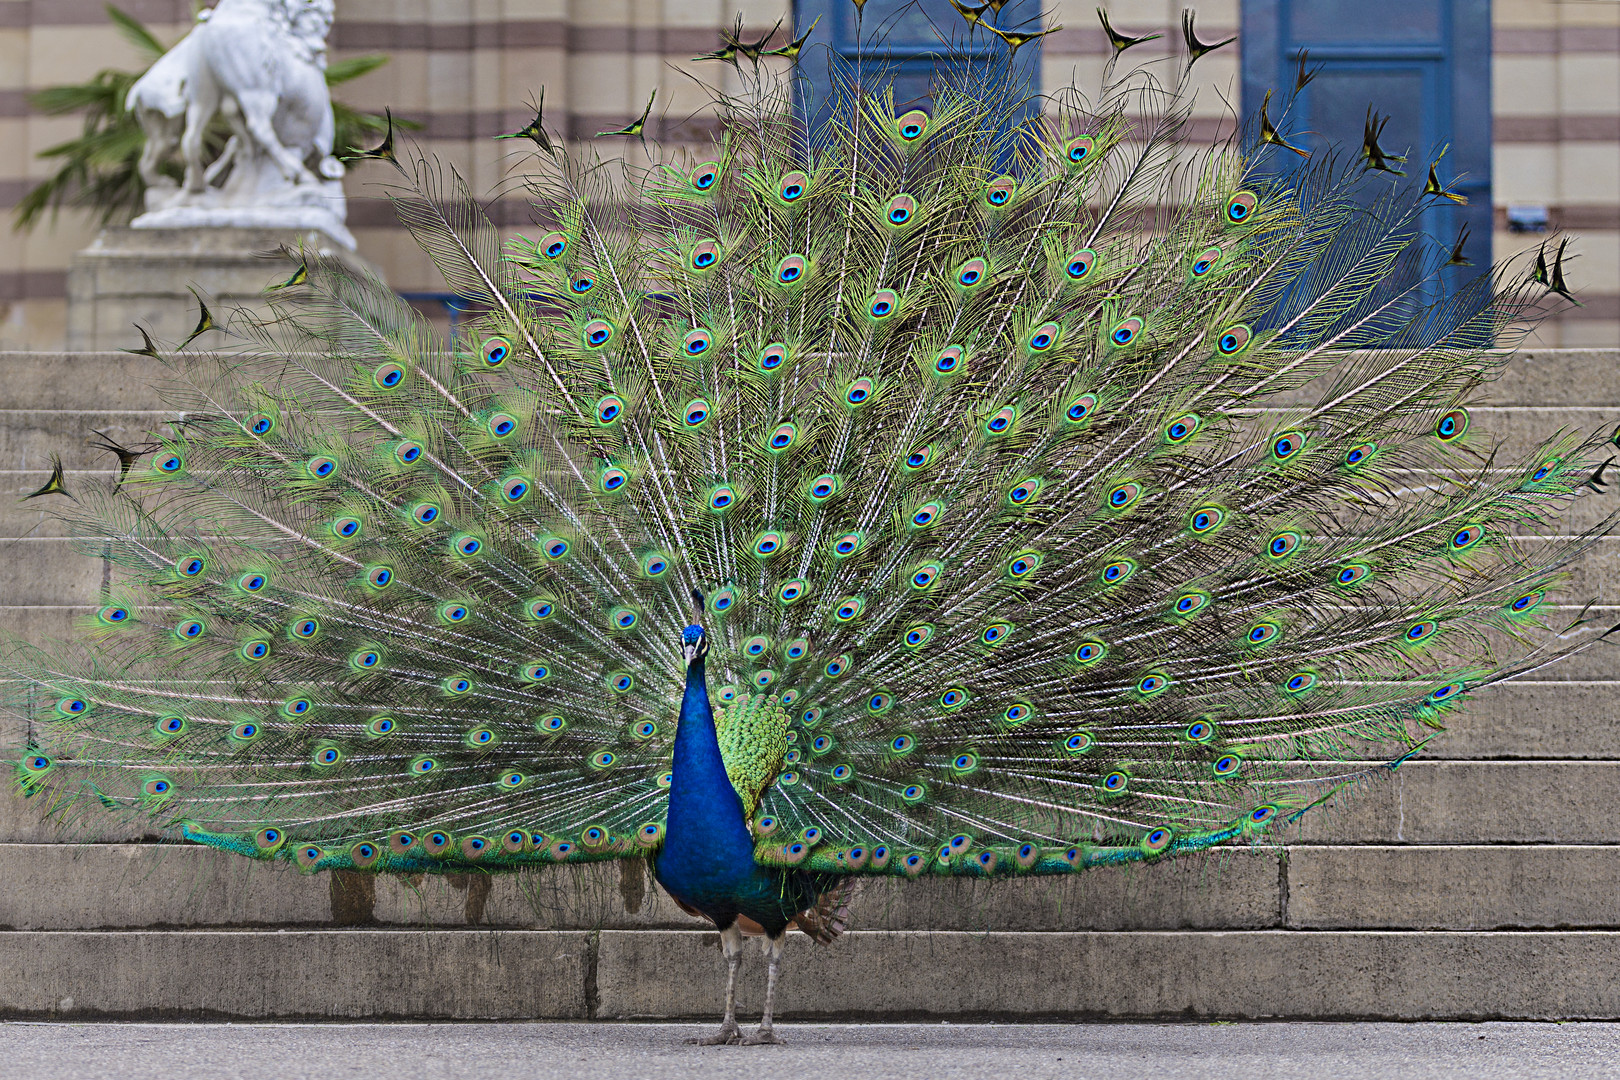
<point x="773" y="954"/>
<point x="731" y="942"/>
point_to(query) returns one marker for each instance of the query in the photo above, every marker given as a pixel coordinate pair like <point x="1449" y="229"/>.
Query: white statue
<point x="261" y="64"/>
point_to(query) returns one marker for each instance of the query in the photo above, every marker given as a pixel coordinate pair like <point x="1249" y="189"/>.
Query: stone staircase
<point x="1480" y="881"/>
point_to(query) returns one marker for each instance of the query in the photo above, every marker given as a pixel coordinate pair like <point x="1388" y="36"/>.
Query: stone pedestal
<point x="142" y="276"/>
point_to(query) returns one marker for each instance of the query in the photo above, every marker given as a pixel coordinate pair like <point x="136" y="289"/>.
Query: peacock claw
<point x="764" y="1038"/>
<point x="728" y="1035"/>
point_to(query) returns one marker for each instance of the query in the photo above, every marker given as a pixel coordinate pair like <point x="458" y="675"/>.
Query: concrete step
<point x="870" y="975"/>
<point x="1472" y="887"/>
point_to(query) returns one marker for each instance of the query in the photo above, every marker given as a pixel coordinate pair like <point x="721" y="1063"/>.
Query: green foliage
<point x="97" y="169"/>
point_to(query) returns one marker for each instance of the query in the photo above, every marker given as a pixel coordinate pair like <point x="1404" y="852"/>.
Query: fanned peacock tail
<point x="1066" y="495"/>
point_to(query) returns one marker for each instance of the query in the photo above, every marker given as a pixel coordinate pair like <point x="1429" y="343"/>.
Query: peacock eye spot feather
<point x="1233" y="340"/>
<point x="1452" y="426"/>
<point x="1077" y="150"/>
<point x="1116" y="572"/>
<point x="1182" y="428"/>
<point x="773" y="356"/>
<point x="1287" y="445"/>
<point x="582" y="285"/>
<point x="1349" y="575"/>
<point x="696" y="343"/>
<point x="783" y="437"/>
<point x="497" y="350"/>
<point x="1206" y="262"/>
<point x="1123" y="496"/>
<point x="790" y="269"/>
<point x="1126" y="332"/>
<point x="1044" y="337"/>
<point x="911" y="125"/>
<point x="598" y="332"/>
<point x="552" y="245"/>
<point x="902" y="208"/>
<point x="706" y="175"/>
<point x="1080" y="409"/>
<point x="1240" y="208"/>
<point x="705" y="255"/>
<point x="609" y="409"/>
<point x="1358" y="455"/>
<point x="1089" y="652"/>
<point x="792" y="186"/>
<point x="1526" y="602"/>
<point x="1283" y="543"/>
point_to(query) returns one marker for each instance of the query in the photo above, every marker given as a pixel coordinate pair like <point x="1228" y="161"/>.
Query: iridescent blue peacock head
<point x="694" y="642"/>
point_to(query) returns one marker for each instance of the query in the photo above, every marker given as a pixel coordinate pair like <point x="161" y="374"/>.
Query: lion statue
<point x="260" y="64"/>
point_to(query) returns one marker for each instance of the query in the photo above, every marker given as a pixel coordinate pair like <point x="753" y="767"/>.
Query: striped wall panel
<point x="464" y="70"/>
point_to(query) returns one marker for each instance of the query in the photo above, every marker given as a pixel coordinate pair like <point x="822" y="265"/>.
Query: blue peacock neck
<point x="706" y="838"/>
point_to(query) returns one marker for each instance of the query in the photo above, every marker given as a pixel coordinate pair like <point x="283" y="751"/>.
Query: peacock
<point x="989" y="486"/>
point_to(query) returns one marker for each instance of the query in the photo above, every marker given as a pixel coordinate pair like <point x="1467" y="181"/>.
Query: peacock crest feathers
<point x="1057" y="497"/>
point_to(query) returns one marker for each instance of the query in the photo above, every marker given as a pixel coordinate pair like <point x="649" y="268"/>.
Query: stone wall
<point x="1481" y="880"/>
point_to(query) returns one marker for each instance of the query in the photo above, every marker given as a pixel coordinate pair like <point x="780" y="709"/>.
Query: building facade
<point x="1523" y="94"/>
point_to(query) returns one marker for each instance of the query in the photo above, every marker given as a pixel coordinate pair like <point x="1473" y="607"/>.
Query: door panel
<point x="902" y="42"/>
<point x="1423" y="63"/>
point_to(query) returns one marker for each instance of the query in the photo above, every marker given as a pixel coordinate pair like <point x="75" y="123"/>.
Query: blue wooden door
<point x="903" y="42"/>
<point x="1426" y="64"/>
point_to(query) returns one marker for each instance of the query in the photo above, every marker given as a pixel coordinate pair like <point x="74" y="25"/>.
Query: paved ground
<point x="69" y="1051"/>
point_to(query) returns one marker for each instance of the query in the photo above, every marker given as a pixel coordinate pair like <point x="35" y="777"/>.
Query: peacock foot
<point x="728" y="1035"/>
<point x="764" y="1037"/>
